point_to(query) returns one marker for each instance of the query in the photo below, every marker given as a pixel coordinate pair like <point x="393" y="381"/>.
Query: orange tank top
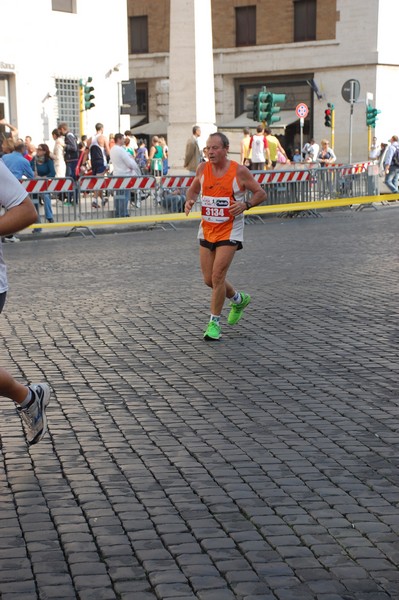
<point x="217" y="195"/>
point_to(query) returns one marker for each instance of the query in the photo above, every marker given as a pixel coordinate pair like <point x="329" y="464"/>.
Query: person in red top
<point x="223" y="185"/>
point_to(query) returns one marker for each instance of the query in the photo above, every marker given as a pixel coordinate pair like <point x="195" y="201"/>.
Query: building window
<point x="64" y="5"/>
<point x="142" y="99"/>
<point x="245" y="25"/>
<point x="68" y="92"/>
<point x="304" y="20"/>
<point x="138" y="35"/>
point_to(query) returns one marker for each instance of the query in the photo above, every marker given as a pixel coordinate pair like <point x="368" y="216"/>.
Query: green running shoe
<point x="213" y="331"/>
<point x="236" y="310"/>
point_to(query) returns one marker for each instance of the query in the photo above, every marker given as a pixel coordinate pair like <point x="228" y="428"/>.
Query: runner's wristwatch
<point x="248" y="204"/>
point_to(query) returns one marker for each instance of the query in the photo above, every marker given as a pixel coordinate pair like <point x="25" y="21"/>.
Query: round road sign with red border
<point x="302" y="110"/>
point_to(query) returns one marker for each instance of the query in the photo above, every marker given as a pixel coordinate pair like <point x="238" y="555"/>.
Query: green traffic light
<point x="371" y="115"/>
<point x="252" y="108"/>
<point x="271" y="107"/>
<point x="88" y="96"/>
<point x="277" y="98"/>
<point x="264" y="106"/>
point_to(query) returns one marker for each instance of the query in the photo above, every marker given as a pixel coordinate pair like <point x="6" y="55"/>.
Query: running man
<point x="30" y="400"/>
<point x="223" y="184"/>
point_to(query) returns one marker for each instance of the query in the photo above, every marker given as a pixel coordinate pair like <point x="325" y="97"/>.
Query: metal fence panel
<point x="106" y="197"/>
<point x="54" y="199"/>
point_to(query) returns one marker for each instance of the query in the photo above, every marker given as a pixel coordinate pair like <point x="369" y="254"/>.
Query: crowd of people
<point x="99" y="155"/>
<point x="122" y="154"/>
<point x="263" y="150"/>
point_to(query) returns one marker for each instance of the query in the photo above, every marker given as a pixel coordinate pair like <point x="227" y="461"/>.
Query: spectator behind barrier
<point x="173" y="201"/>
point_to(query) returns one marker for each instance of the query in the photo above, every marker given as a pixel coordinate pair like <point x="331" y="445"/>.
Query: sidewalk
<point x="260" y="467"/>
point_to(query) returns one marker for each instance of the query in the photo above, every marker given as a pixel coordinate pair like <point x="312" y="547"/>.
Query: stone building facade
<point x="306" y="49"/>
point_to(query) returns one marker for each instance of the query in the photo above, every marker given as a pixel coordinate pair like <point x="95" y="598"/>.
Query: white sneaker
<point x="11" y="239"/>
<point x="34" y="414"/>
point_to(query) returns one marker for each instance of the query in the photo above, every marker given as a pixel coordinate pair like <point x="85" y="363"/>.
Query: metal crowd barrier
<point x="95" y="200"/>
<point x="54" y="199"/>
<point x="303" y="183"/>
<point x="119" y="197"/>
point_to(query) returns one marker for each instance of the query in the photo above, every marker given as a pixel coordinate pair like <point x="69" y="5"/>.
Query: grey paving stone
<point x="293" y="594"/>
<point x="98" y="593"/>
<point x="28" y="596"/>
<point x="169" y="576"/>
<point x="264" y="596"/>
<point x="136" y="587"/>
<point x="57" y="591"/>
<point x="172" y="590"/>
<point x="164" y="459"/>
<point x="143" y="596"/>
<point x="87" y="568"/>
<point x="220" y="594"/>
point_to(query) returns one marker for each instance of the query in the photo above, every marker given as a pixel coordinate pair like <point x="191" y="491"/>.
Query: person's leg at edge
<point x="390" y="179"/>
<point x="395" y="179"/>
<point x="31" y="400"/>
<point x="9" y="388"/>
<point x="214" y="267"/>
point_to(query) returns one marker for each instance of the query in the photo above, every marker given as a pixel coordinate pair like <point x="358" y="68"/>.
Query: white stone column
<point x="191" y="78"/>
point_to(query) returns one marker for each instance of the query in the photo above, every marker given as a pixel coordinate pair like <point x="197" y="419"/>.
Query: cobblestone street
<point x="260" y="467"/>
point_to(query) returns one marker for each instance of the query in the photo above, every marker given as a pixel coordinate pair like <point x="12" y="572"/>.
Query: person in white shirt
<point x="314" y="150"/>
<point x="123" y="165"/>
<point x="260" y="149"/>
<point x="375" y="150"/>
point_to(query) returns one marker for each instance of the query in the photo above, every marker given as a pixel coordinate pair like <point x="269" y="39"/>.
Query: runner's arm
<point x="18" y="217"/>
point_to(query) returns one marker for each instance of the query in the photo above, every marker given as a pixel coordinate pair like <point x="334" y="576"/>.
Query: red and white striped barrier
<point x="361" y="167"/>
<point x="35" y="186"/>
<point x="177" y="182"/>
<point x="88" y="184"/>
<point x="355" y="169"/>
<point x="269" y="177"/>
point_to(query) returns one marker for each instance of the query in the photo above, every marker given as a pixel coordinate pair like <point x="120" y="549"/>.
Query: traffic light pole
<point x="350" y="133"/>
<point x="369" y="135"/>
<point x="333" y="128"/>
<point x="119" y="105"/>
<point x="81" y="109"/>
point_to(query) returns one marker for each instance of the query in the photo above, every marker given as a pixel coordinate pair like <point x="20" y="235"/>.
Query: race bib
<point x="215" y="210"/>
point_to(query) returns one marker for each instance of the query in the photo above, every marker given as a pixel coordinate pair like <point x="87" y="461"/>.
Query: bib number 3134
<point x="215" y="210"/>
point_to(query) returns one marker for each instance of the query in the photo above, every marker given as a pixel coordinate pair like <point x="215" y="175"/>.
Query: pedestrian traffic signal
<point x="252" y="107"/>
<point x="371" y="115"/>
<point x="88" y="95"/>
